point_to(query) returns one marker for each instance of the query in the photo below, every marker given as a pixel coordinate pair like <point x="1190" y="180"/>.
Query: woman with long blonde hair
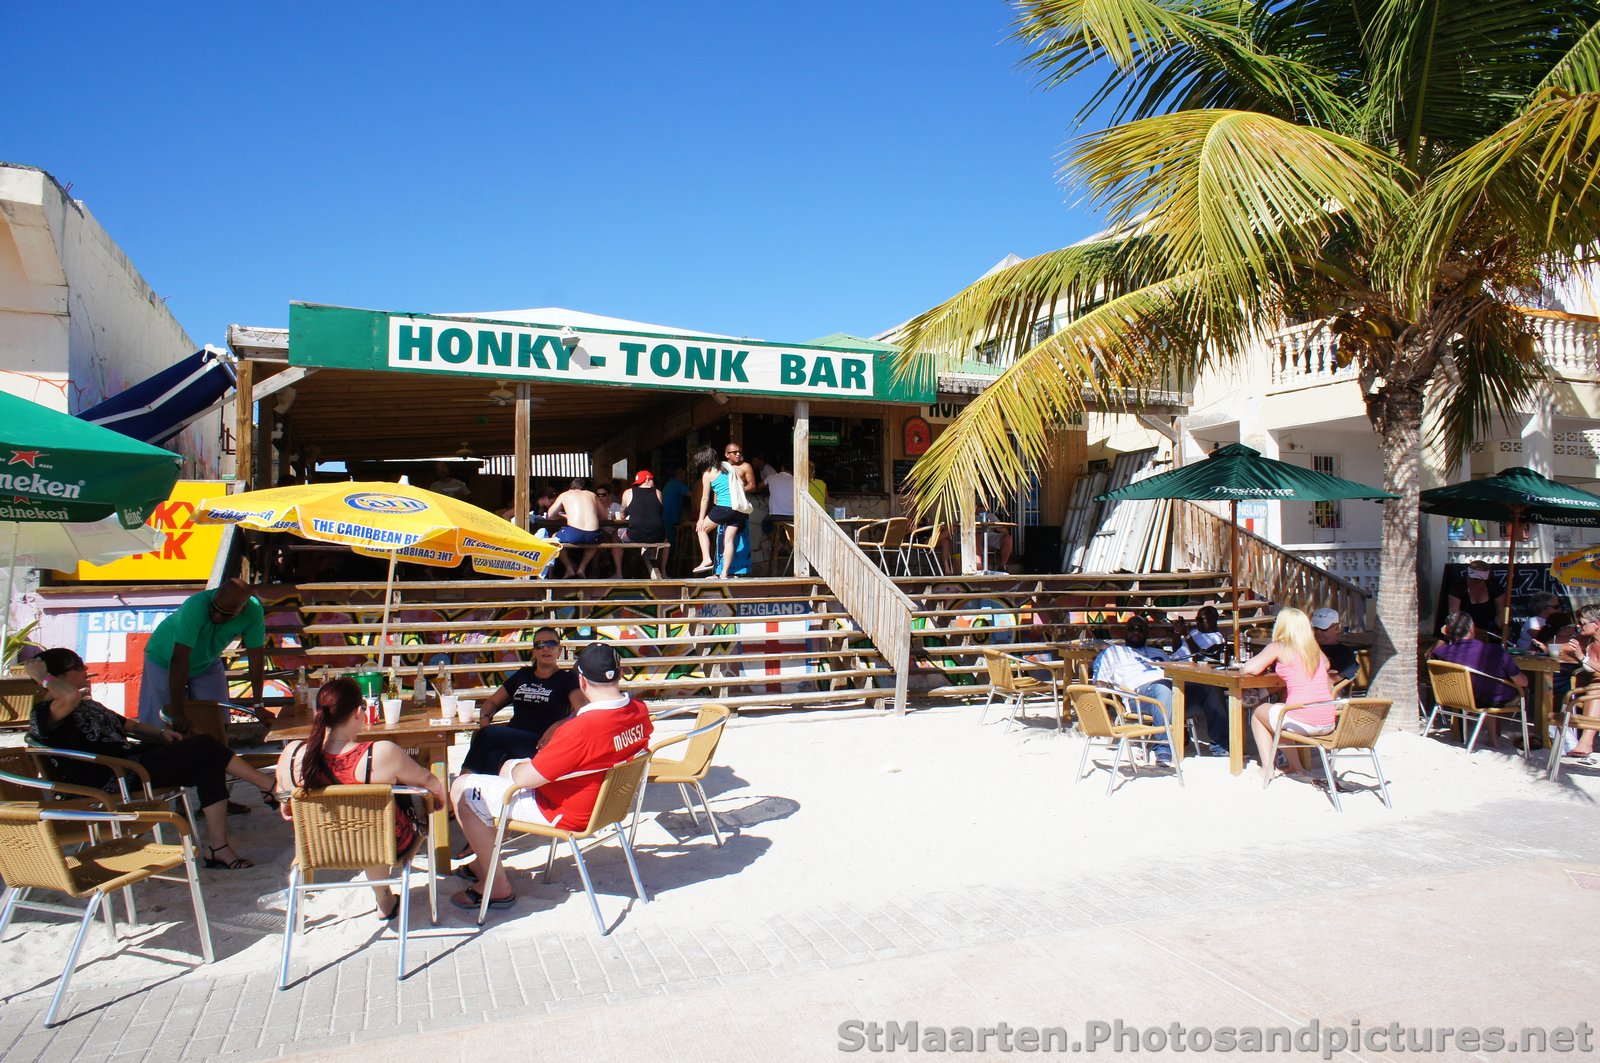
<point x="1307" y="707"/>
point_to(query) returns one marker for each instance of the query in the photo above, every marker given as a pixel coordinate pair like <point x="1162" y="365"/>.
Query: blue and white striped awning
<point x="159" y="407"/>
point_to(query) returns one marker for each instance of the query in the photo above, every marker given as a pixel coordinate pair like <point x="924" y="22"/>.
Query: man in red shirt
<point x="563" y="778"/>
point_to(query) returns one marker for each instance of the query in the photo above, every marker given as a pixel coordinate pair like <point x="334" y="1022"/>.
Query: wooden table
<point x="1229" y="679"/>
<point x="414" y="731"/>
<point x="1541" y="670"/>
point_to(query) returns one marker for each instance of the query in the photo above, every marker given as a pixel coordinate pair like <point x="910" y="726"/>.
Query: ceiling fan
<point x="465" y="450"/>
<point x="504" y="395"/>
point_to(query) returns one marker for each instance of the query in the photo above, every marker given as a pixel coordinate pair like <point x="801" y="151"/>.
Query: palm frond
<point x="1497" y="368"/>
<point x="1005" y="307"/>
<point x="1579" y="69"/>
<point x="1535" y="178"/>
<point x="1448" y="73"/>
<point x="1171" y="55"/>
<point x="1234" y="195"/>
<point x="1111" y="355"/>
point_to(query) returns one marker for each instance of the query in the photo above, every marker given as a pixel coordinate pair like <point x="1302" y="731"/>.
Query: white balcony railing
<point x="1307" y="355"/>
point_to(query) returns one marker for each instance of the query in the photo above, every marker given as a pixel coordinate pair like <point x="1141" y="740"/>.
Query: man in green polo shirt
<point x="183" y="658"/>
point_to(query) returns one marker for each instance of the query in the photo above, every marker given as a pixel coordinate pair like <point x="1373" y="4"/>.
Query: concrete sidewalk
<point x="867" y="877"/>
<point x="1422" y="951"/>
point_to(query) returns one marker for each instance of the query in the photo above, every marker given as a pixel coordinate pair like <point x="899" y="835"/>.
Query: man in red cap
<point x="641" y="505"/>
<point x="562" y="780"/>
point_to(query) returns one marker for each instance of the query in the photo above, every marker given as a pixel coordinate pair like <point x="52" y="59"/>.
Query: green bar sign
<point x="344" y="338"/>
<point x="824" y="439"/>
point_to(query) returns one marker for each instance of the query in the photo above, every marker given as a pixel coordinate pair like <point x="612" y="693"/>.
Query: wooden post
<point x="522" y="460"/>
<point x="244" y="422"/>
<point x="802" y="475"/>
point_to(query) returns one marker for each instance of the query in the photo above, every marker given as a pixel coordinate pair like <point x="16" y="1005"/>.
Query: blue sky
<point x="772" y="170"/>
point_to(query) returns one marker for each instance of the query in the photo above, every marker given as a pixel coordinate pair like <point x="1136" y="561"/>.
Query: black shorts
<point x="725" y="516"/>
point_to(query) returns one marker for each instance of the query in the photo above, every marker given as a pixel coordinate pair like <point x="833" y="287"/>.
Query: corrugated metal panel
<point x="567" y="465"/>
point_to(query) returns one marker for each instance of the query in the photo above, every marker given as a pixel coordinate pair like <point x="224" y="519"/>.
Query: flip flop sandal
<point x="475" y="900"/>
<point x="466" y="874"/>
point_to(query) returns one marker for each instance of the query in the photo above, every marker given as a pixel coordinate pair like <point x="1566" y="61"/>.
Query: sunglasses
<point x="226" y="614"/>
<point x="547" y="644"/>
<point x="731" y="453"/>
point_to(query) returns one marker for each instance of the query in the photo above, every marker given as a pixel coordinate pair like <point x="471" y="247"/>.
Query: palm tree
<point x="1410" y="169"/>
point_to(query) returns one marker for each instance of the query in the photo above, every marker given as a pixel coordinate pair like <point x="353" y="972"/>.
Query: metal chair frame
<point x="175" y="797"/>
<point x="14" y="894"/>
<point x="1460" y="710"/>
<point x="713" y="727"/>
<point x="1570" y="717"/>
<point x="301" y="883"/>
<point x="1014" y="689"/>
<point x="616" y="775"/>
<point x="1328" y="746"/>
<point x="1120" y="736"/>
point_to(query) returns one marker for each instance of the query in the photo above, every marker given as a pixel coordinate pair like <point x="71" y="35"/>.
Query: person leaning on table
<point x="67" y="718"/>
<point x="332" y="755"/>
<point x="609" y="729"/>
<point x="540" y="695"/>
<point x="1307" y="707"/>
<point x="183" y="658"/>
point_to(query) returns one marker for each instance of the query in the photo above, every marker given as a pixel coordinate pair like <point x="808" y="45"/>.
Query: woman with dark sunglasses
<point x="540" y="694"/>
<point x="66" y="717"/>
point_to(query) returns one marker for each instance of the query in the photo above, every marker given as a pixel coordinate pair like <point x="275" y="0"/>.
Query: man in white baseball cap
<point x="1326" y="627"/>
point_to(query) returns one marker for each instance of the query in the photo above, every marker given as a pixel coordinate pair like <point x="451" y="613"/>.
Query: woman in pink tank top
<point x="1307" y="707"/>
<point x="333" y="755"/>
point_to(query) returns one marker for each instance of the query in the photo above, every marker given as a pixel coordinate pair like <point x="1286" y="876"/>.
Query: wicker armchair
<point x="691" y="768"/>
<point x="32" y="858"/>
<point x="612" y="805"/>
<point x="1120" y="730"/>
<point x="352" y="828"/>
<point x="1013" y="688"/>
<point x="1582" y="711"/>
<point x="1453" y="699"/>
<point x="1359" y="724"/>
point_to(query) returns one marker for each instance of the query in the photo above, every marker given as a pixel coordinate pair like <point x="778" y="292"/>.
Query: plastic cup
<point x="466" y="710"/>
<point x="391" y="712"/>
<point x="447" y="705"/>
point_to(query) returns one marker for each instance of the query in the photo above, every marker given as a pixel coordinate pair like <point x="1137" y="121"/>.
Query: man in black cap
<point x="562" y="780"/>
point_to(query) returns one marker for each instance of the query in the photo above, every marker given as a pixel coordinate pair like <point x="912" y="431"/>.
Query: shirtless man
<point x="581" y="509"/>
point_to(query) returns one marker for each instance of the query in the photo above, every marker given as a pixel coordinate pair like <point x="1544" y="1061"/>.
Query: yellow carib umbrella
<point x="1581" y="568"/>
<point x="396" y="521"/>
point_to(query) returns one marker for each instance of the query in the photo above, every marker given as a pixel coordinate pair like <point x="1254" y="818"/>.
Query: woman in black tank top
<point x="642" y="507"/>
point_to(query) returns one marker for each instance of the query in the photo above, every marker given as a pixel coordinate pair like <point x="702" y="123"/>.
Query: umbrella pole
<point x="11" y="576"/>
<point x="1233" y="568"/>
<point x="1511" y="574"/>
<point x="388" y="596"/>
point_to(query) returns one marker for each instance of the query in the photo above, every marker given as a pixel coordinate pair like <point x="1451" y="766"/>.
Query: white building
<point x="78" y="324"/>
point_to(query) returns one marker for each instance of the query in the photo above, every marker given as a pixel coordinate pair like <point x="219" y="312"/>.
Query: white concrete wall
<point x="78" y="323"/>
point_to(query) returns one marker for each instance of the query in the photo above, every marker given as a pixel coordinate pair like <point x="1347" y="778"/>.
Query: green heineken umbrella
<point x="56" y="469"/>
<point x="1238" y="473"/>
<point x="1517" y="496"/>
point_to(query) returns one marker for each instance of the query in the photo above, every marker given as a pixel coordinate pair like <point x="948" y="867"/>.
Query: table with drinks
<point x="1228" y="678"/>
<point x="428" y="726"/>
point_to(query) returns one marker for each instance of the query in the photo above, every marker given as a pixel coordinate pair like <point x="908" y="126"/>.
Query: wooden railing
<point x="1270" y="571"/>
<point x="865" y="591"/>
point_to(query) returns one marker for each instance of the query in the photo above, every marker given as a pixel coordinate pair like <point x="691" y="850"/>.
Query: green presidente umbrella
<point x="56" y="469"/>
<point x="1518" y="496"/>
<point x="1238" y="473"/>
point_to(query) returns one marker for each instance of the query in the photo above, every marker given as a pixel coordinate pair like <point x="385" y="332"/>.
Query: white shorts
<point x="1293" y="724"/>
<point x="485" y="795"/>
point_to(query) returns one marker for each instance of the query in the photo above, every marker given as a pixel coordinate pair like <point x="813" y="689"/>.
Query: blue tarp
<point x="159" y="407"/>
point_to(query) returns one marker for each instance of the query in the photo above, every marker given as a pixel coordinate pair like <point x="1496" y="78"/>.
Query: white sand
<point x="817" y="804"/>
